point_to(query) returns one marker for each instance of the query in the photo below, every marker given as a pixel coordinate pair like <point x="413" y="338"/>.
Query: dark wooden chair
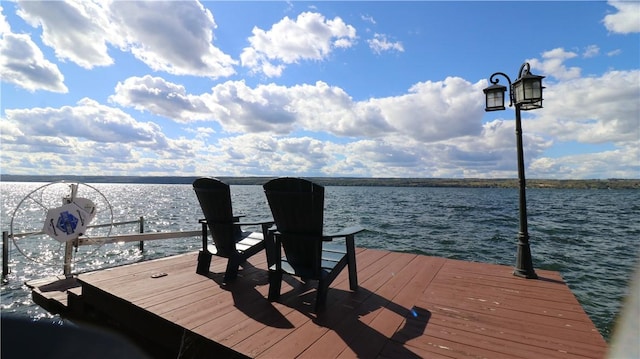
<point x="297" y="206"/>
<point x="228" y="238"/>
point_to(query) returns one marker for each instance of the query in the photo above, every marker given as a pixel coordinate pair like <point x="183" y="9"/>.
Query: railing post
<point x="141" y="244"/>
<point x="5" y="254"/>
<point x="68" y="258"/>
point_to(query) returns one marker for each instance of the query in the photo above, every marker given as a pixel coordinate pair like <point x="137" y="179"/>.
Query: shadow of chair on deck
<point x="247" y="298"/>
<point x="349" y="318"/>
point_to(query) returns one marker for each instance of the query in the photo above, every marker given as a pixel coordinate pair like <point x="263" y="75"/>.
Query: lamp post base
<point x="524" y="263"/>
<point x="525" y="274"/>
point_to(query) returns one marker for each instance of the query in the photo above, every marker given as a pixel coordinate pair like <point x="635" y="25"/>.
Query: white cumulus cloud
<point x="553" y="64"/>
<point x="309" y="37"/>
<point x="380" y="43"/>
<point x="171" y="36"/>
<point x="627" y="18"/>
<point x="23" y="64"/>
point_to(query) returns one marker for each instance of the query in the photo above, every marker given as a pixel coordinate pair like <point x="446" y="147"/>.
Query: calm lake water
<point x="591" y="237"/>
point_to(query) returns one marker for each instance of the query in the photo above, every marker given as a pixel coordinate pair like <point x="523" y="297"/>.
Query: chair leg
<point x="351" y="263"/>
<point x="353" y="276"/>
<point x="321" y="296"/>
<point x="204" y="262"/>
<point x="269" y="245"/>
<point x="232" y="268"/>
<point x="275" y="283"/>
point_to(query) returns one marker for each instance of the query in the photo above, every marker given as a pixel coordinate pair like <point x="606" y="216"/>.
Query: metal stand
<point x="68" y="258"/>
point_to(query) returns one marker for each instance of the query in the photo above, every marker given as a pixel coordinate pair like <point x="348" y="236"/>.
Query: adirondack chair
<point x="229" y="240"/>
<point x="297" y="206"/>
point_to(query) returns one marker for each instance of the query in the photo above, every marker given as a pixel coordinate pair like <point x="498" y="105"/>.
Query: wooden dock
<point x="407" y="306"/>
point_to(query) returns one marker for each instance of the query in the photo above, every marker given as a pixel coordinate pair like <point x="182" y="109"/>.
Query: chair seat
<point x="250" y="240"/>
<point x="333" y="251"/>
<point x="332" y="254"/>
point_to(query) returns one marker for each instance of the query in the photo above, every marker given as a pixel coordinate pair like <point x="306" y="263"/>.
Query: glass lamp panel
<point x="518" y="92"/>
<point x="532" y="90"/>
<point x="495" y="99"/>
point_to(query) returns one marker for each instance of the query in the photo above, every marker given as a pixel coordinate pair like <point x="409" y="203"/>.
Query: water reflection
<point x="591" y="236"/>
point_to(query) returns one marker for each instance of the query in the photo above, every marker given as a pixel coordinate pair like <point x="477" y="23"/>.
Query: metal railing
<point x="139" y="237"/>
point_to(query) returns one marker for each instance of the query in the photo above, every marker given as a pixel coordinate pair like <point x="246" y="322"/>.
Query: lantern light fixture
<point x="525" y="91"/>
<point x="495" y="97"/>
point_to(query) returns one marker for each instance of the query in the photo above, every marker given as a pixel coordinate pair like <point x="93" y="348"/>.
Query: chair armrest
<point x="260" y="222"/>
<point x="237" y="223"/>
<point x="346" y="232"/>
<point x="349" y="231"/>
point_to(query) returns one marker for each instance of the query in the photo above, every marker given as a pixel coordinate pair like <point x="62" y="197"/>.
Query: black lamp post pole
<point x="527" y="92"/>
<point x="524" y="263"/>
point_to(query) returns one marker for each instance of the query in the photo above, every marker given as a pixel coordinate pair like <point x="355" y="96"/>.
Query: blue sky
<point x="355" y="88"/>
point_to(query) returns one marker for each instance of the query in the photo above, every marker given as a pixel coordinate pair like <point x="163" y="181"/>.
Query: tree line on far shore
<point x="351" y="181"/>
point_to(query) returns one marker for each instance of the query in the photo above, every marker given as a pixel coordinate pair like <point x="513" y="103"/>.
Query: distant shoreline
<point x="349" y="181"/>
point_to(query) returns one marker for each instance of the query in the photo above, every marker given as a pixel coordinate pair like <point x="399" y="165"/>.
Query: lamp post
<point x="525" y="94"/>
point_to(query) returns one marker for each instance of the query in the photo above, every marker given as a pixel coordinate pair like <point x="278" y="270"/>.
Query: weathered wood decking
<point x="408" y="306"/>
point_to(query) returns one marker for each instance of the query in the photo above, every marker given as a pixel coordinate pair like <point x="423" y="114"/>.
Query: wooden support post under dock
<point x="407" y="306"/>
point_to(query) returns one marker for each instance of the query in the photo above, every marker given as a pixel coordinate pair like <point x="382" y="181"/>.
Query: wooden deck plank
<point x="541" y="345"/>
<point x="530" y="323"/>
<point x="394" y="350"/>
<point x="141" y="268"/>
<point x="525" y="331"/>
<point x="452" y="301"/>
<point x="545" y="288"/>
<point x="401" y="308"/>
<point x="503" y="345"/>
<point x="454" y="349"/>
<point x="495" y="299"/>
<point x="407" y="306"/>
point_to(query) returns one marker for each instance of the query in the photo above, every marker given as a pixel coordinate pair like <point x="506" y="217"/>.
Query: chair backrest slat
<point x="215" y="200"/>
<point x="297" y="206"/>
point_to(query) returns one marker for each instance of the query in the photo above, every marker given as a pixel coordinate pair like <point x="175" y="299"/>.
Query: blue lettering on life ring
<point x="67" y="222"/>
